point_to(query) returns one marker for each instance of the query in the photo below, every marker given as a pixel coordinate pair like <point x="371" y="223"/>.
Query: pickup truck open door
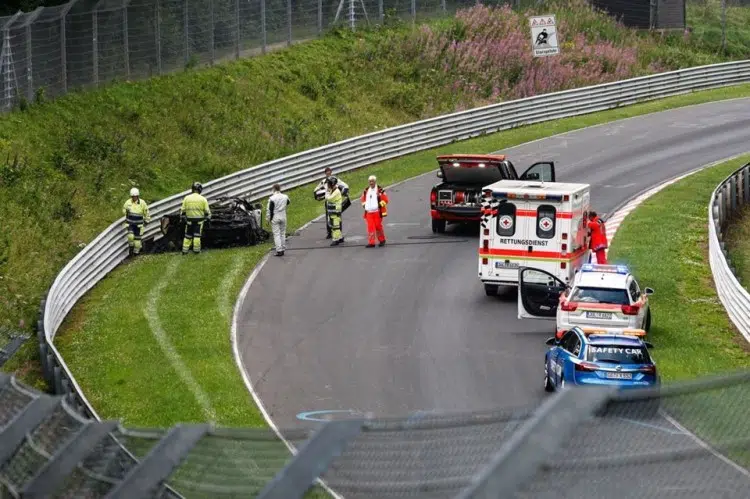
<point x="543" y="171"/>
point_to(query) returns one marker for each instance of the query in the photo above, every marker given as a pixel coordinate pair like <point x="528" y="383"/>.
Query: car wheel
<point x="648" y="321"/>
<point x="438" y="226"/>
<point x="491" y="289"/>
<point x="547" y="382"/>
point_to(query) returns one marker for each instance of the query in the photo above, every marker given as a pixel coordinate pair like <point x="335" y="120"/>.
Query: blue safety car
<point x="600" y="356"/>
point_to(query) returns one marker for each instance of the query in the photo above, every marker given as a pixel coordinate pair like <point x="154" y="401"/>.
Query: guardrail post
<point x="733" y="195"/>
<point x="746" y="185"/>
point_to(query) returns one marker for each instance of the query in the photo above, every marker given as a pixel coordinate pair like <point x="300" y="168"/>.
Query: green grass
<point x="111" y="349"/>
<point x="66" y="166"/>
<point x="737" y="238"/>
<point x="691" y="331"/>
<point x="665" y="241"/>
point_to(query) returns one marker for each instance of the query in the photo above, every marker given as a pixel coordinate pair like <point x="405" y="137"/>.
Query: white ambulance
<point x="532" y="224"/>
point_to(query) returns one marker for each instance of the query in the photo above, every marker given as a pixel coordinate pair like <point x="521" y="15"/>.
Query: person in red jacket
<point x="374" y="201"/>
<point x="598" y="242"/>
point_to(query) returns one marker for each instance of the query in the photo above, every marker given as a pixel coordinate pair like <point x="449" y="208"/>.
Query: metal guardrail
<point x="105" y="252"/>
<point x="731" y="194"/>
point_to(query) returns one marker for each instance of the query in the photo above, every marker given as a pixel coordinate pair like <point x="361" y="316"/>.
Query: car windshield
<point x="618" y="354"/>
<point x="471" y="174"/>
<point x="600" y="295"/>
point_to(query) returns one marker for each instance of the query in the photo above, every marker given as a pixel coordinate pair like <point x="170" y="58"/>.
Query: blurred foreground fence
<point x="729" y="197"/>
<point x="85" y="43"/>
<point x="686" y="440"/>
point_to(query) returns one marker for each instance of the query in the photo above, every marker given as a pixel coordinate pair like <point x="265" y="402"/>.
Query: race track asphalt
<point x="408" y="327"/>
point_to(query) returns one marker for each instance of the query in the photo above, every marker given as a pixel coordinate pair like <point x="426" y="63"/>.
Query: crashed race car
<point x="234" y="222"/>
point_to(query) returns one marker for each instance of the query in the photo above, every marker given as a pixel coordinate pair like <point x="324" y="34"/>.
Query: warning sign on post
<point x="544" y="40"/>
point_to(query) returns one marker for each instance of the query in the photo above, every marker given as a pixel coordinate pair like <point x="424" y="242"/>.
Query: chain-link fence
<point x="720" y="25"/>
<point x="686" y="440"/>
<point x="86" y="43"/>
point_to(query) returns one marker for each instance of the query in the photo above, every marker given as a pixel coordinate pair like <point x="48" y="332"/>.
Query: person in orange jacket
<point x="598" y="242"/>
<point x="374" y="201"/>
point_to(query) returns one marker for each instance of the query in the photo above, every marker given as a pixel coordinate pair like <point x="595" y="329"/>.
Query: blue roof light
<point x="613" y="269"/>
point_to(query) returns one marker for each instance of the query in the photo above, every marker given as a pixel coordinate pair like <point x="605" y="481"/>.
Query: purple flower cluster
<point x="486" y="57"/>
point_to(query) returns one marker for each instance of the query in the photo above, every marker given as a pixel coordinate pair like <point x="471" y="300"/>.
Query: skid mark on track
<point x="151" y="313"/>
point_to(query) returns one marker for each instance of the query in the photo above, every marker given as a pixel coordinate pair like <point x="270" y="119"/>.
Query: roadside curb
<point x="615" y="220"/>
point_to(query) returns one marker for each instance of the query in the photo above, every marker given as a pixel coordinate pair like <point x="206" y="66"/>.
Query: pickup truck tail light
<point x="433" y="197"/>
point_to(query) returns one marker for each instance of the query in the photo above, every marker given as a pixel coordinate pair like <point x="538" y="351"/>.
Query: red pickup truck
<point x="457" y="199"/>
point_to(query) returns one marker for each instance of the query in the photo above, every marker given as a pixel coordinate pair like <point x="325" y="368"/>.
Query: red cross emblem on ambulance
<point x="545" y="223"/>
<point x="506" y="222"/>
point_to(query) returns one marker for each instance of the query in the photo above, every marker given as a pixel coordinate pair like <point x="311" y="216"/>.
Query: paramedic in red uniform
<point x="598" y="241"/>
<point x="374" y="201"/>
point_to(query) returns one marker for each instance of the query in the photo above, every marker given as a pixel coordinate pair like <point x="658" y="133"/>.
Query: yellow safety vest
<point x="136" y="213"/>
<point x="195" y="207"/>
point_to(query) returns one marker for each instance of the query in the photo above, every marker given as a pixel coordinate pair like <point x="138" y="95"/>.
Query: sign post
<point x="544" y="40"/>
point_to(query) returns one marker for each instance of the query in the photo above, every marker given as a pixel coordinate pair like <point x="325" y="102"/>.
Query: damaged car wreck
<point x="234" y="222"/>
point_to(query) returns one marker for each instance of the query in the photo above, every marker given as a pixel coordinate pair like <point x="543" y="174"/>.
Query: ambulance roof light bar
<point x="512" y="195"/>
<point x="612" y="269"/>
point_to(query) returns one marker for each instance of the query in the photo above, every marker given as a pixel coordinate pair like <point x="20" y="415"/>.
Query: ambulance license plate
<point x="506" y="265"/>
<point x="620" y="375"/>
<point x="598" y="315"/>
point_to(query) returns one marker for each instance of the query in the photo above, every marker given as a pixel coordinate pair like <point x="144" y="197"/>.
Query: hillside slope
<point x="66" y="166"/>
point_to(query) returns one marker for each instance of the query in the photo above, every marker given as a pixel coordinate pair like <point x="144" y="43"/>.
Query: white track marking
<point x="703" y="444"/>
<point x="151" y="313"/>
<point x="246" y="377"/>
<point x="256" y="271"/>
<point x="614" y="222"/>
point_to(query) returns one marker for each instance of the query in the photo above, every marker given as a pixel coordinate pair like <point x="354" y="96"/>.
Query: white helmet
<point x="134" y="192"/>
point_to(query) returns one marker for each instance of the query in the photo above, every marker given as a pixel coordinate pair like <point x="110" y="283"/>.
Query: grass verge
<point x="116" y="356"/>
<point x="691" y="331"/>
<point x="737" y="237"/>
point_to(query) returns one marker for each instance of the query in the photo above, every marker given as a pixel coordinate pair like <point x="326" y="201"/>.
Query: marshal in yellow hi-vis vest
<point x="195" y="212"/>
<point x="137" y="216"/>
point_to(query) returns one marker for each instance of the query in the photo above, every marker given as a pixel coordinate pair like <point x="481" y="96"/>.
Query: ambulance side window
<point x="506" y="220"/>
<point x="545" y="221"/>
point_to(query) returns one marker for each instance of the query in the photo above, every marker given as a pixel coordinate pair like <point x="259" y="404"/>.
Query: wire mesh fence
<point x="685" y="440"/>
<point x="86" y="43"/>
<point x="720" y="25"/>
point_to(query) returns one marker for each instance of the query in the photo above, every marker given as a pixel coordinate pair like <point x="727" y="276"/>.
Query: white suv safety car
<point x="600" y="296"/>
